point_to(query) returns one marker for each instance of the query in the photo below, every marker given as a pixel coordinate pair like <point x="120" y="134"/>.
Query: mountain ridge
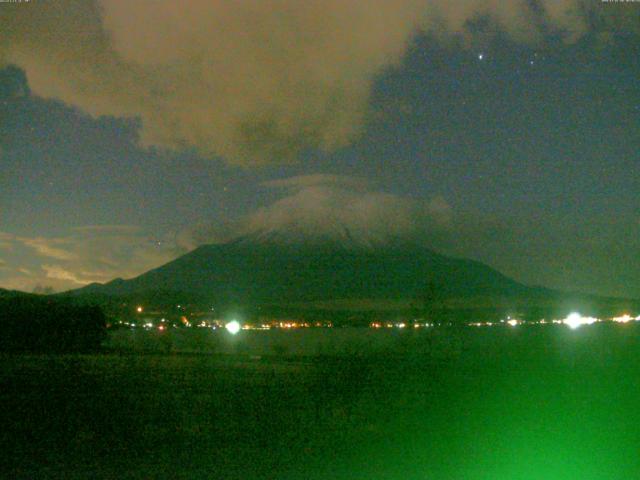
<point x="266" y="264"/>
<point x="270" y="273"/>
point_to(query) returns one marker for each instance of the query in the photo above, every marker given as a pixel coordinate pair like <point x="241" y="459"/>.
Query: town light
<point x="574" y="320"/>
<point x="233" y="327"/>
<point x="623" y="318"/>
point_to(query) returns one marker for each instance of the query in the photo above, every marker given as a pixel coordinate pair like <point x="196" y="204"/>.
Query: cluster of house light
<point x="232" y="326"/>
<point x="399" y="325"/>
<point x="573" y="321"/>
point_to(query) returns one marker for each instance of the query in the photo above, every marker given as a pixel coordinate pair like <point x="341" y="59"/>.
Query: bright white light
<point x="574" y="320"/>
<point x="480" y="56"/>
<point x="139" y="309"/>
<point x="623" y="319"/>
<point x="233" y="327"/>
<point x="513" y="322"/>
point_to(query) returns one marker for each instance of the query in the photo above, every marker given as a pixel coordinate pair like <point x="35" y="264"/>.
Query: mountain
<point x="9" y="294"/>
<point x="300" y="271"/>
<point x="275" y="267"/>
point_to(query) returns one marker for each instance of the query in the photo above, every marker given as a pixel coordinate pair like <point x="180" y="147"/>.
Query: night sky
<point x="507" y="134"/>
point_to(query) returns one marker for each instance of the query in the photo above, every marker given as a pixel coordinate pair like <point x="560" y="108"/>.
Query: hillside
<point x="294" y="271"/>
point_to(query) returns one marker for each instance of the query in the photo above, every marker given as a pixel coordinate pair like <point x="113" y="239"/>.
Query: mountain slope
<point x="269" y="268"/>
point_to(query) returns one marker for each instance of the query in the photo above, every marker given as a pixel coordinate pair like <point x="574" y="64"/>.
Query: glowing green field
<point x="507" y="403"/>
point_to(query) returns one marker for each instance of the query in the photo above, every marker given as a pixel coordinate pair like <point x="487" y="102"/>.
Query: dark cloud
<point x="314" y="180"/>
<point x="254" y="82"/>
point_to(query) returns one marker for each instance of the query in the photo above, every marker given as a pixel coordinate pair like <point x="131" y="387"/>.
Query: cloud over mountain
<point x="307" y="207"/>
<point x="329" y="207"/>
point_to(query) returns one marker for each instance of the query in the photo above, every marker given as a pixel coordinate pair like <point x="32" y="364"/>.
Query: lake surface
<point x="294" y="342"/>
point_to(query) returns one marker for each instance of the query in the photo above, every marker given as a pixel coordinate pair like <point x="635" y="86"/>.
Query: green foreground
<point x="507" y="403"/>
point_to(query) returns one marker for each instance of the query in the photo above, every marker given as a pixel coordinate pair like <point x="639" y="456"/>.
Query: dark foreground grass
<point x="524" y="403"/>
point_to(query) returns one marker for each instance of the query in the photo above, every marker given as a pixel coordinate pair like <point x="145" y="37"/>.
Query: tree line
<point x="33" y="323"/>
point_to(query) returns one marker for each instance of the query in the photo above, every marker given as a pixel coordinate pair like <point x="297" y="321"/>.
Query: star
<point x="481" y="56"/>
